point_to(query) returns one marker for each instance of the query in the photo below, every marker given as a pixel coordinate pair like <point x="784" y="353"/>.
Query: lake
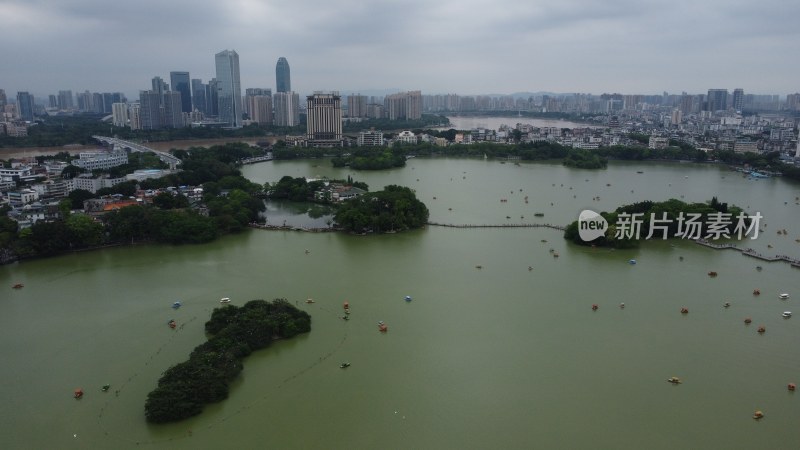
<point x="509" y="355"/>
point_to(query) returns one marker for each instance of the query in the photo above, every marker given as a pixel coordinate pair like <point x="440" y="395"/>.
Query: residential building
<point x="283" y="82"/>
<point x="259" y="107"/>
<point x="738" y="99"/>
<point x="324" y="120"/>
<point x="229" y="90"/>
<point x="287" y="109"/>
<point x="173" y="110"/>
<point x="119" y="114"/>
<point x="717" y="100"/>
<point x="404" y="105"/>
<point x="22" y="197"/>
<point x="357" y="105"/>
<point x="150" y="110"/>
<point x="744" y="146"/>
<point x="158" y="85"/>
<point x="135" y="116"/>
<point x="658" y="142"/>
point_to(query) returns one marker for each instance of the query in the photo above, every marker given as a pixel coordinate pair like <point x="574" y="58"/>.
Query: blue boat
<point x="632" y="261"/>
<point x="408" y="298"/>
<point x="176" y="305"/>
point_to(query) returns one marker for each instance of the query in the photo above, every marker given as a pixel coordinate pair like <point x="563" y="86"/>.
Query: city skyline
<point x="471" y="48"/>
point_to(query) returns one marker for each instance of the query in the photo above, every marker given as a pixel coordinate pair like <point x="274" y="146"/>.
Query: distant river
<point x="494" y="122"/>
<point x="506" y="356"/>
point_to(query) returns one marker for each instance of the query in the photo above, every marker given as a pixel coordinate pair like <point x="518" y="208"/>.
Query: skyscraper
<point x="212" y="97"/>
<point x="324" y="125"/>
<point x="3" y="99"/>
<point x="229" y="90"/>
<point x="173" y="114"/>
<point x="150" y="110"/>
<point x="283" y="82"/>
<point x="25" y="106"/>
<point x="180" y="83"/>
<point x="159" y="85"/>
<point x="199" y="95"/>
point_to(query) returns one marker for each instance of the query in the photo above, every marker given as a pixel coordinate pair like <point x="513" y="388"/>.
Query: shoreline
<point x="30" y="152"/>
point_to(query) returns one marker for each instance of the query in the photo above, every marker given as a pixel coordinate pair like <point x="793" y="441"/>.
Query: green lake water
<point x="496" y="357"/>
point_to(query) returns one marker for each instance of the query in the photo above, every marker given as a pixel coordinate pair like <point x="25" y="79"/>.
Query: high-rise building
<point x="3" y="99"/>
<point x="229" y="90"/>
<point x="65" y="100"/>
<point x="405" y="105"/>
<point x="258" y="105"/>
<point x="135" y="116"/>
<point x="283" y="81"/>
<point x="150" y="110"/>
<point x="97" y="102"/>
<point x="25" y="105"/>
<point x="324" y="120"/>
<point x="199" y="95"/>
<point x="287" y="109"/>
<point x="119" y="114"/>
<point x="212" y="98"/>
<point x="357" y="105"/>
<point x="84" y="101"/>
<point x="717" y="100"/>
<point x="159" y="86"/>
<point x="180" y="83"/>
<point x="738" y="99"/>
<point x="52" y="101"/>
<point x="173" y="112"/>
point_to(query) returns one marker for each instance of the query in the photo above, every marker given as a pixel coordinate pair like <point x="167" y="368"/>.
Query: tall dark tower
<point x="282" y="80"/>
<point x="180" y="83"/>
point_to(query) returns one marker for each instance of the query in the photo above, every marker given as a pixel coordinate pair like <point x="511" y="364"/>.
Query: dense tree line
<point x="395" y="208"/>
<point x="372" y="158"/>
<point x="673" y="209"/>
<point x="235" y="332"/>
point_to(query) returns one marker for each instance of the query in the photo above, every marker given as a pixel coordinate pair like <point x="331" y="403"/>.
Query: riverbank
<point x="74" y="149"/>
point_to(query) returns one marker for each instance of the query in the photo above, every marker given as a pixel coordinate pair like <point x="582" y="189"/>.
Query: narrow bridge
<point x="502" y="225"/>
<point x="134" y="147"/>
<point x="750" y="252"/>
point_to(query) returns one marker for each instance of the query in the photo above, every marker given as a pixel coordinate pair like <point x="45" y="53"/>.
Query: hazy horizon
<point x="471" y="47"/>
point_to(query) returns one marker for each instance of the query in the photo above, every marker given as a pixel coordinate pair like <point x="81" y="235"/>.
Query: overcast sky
<point x="446" y="46"/>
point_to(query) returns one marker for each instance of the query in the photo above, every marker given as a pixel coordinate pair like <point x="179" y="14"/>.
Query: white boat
<point x="783" y="296"/>
<point x="787" y="314"/>
<point x="224" y="300"/>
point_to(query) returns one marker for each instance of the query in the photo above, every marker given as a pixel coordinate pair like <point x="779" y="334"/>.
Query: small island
<point x="395" y="208"/>
<point x="204" y="378"/>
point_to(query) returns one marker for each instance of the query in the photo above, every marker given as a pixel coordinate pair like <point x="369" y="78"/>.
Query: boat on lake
<point x="18" y="286"/>
<point x="225" y="300"/>
<point x="783" y="296"/>
<point x="176" y="305"/>
<point x="674" y="380"/>
<point x="787" y="314"/>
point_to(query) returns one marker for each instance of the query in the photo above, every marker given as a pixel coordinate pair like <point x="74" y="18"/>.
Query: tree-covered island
<point x="671" y="218"/>
<point x="235" y="332"/>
